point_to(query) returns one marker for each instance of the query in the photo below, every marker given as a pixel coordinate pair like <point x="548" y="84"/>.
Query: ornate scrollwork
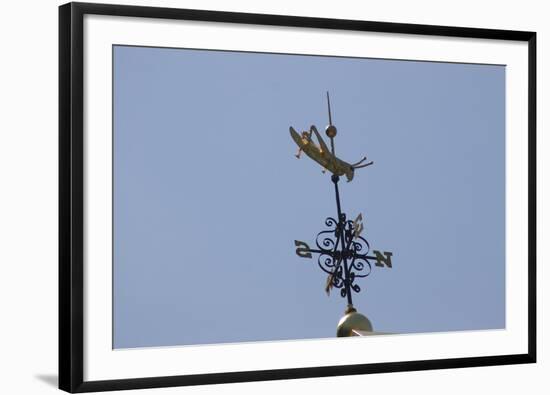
<point x="342" y="255"/>
<point x="360" y="264"/>
<point x="337" y="279"/>
<point x="326" y="240"/>
<point x="326" y="263"/>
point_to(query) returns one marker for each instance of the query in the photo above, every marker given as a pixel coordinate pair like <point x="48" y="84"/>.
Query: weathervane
<point x="343" y="252"/>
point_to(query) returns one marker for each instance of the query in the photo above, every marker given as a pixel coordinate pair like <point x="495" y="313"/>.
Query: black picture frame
<point x="71" y="195"/>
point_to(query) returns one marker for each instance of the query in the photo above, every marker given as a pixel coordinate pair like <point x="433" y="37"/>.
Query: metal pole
<point x="335" y="180"/>
<point x="347" y="282"/>
<point x="341" y="237"/>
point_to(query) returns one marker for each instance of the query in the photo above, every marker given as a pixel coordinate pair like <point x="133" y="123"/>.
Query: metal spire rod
<point x="331" y="126"/>
<point x="329" y="115"/>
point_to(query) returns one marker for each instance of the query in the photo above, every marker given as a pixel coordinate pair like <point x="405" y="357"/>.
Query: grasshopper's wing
<point x="296" y="137"/>
<point x="322" y="144"/>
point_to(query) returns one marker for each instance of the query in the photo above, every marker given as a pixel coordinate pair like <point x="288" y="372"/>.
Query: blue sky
<point x="209" y="197"/>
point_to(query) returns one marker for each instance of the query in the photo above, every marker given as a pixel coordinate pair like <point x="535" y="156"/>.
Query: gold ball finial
<point x="331" y="131"/>
<point x="352" y="320"/>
